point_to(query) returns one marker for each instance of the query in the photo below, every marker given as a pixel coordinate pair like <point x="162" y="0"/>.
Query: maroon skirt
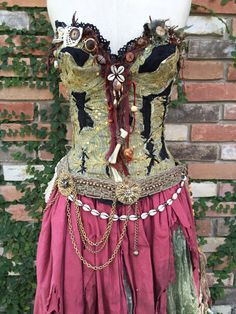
<point x="66" y="286"/>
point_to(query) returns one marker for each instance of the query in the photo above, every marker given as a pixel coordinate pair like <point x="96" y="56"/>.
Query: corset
<point x="118" y="102"/>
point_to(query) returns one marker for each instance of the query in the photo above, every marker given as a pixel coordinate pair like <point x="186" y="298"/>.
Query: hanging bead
<point x="101" y="59"/>
<point x="117" y="85"/>
<point x="128" y="153"/>
<point x="56" y="64"/>
<point x="134" y="109"/>
<point x="115" y="102"/>
<point x="141" y="41"/>
<point x="129" y="56"/>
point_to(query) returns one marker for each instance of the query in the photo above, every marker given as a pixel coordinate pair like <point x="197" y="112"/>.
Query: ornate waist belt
<point x="127" y="191"/>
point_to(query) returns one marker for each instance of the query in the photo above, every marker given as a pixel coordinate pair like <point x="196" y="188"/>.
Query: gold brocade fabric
<point x="90" y="144"/>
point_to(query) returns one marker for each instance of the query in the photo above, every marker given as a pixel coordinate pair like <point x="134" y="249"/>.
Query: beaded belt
<point x="127" y="192"/>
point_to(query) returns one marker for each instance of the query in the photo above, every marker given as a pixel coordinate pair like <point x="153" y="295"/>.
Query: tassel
<point x="205" y="296"/>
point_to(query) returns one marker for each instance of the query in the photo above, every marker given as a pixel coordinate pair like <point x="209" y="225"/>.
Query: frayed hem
<point x="53" y="305"/>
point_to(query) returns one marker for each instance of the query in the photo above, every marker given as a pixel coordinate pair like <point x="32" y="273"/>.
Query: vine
<point x="24" y="56"/>
<point x="19" y="238"/>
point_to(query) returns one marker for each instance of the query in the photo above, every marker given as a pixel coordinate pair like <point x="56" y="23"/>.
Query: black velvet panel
<point x="158" y="55"/>
<point x="80" y="56"/>
<point x="146" y="112"/>
<point x="163" y="152"/>
<point x="151" y="155"/>
<point x="84" y="156"/>
<point x="83" y="117"/>
<point x="108" y="171"/>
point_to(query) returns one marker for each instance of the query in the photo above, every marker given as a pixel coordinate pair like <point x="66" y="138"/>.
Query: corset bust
<point x="119" y="21"/>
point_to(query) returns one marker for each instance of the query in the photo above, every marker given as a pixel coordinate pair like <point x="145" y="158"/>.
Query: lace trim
<point x="104" y="41"/>
<point x="148" y="32"/>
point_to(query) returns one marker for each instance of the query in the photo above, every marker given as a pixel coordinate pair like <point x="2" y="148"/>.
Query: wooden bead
<point x="141" y="41"/>
<point x="117" y="85"/>
<point x="101" y="59"/>
<point x="129" y="56"/>
<point x="128" y="153"/>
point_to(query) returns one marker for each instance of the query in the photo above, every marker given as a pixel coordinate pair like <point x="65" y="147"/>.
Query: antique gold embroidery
<point x="96" y="140"/>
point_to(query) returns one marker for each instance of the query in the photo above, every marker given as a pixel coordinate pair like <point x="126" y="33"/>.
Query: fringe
<point x="205" y="297"/>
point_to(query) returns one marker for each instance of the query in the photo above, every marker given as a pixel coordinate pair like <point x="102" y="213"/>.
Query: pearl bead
<point x="134" y="108"/>
<point x="136" y="253"/>
<point x="56" y="64"/>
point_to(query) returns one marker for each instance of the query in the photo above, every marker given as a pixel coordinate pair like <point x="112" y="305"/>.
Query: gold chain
<point x="83" y="234"/>
<point x="51" y="202"/>
<point x="136" y="230"/>
<point x="84" y="261"/>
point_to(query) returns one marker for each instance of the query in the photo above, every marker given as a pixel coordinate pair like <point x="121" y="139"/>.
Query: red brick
<point x="228" y="213"/>
<point x="204" y="227"/>
<point x="17" y="40"/>
<point x="225" y="187"/>
<point x="213" y="132"/>
<point x="19" y="213"/>
<point x="234" y="27"/>
<point x="203" y="70"/>
<point x="229" y="8"/>
<point x="18" y="107"/>
<point x="212" y="244"/>
<point x="222" y="228"/>
<point x="212" y="170"/>
<point x="212" y="279"/>
<point x="25" y="93"/>
<point x="174" y="93"/>
<point x="27" y="3"/>
<point x="63" y="91"/>
<point x="12" y="73"/>
<point x="10" y="193"/>
<point x="44" y="155"/>
<point x="230" y="111"/>
<point x="18" y="127"/>
<point x="223" y="265"/>
<point x="231" y="73"/>
<point x="210" y="91"/>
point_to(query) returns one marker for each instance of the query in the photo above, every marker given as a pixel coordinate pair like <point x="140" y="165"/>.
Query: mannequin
<point x="142" y="222"/>
<point x="119" y="22"/>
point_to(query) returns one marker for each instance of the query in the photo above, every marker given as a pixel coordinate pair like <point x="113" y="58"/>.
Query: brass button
<point x="90" y="44"/>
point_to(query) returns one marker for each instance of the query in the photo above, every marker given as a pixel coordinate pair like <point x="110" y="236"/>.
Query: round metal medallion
<point x="65" y="183"/>
<point x="128" y="192"/>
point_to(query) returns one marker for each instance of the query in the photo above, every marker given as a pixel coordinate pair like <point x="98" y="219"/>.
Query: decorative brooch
<point x="128" y="192"/>
<point x="117" y="78"/>
<point x="66" y="184"/>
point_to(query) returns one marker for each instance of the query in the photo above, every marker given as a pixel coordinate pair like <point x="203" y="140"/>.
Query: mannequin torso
<point x="119" y="22"/>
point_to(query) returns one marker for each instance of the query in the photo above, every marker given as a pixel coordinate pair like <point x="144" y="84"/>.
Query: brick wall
<point x="201" y="132"/>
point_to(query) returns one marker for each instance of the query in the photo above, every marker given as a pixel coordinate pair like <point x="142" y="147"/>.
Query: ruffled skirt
<point x="162" y="278"/>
